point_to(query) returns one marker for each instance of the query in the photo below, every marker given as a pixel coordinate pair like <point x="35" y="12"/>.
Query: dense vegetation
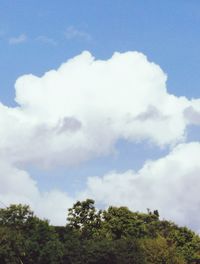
<point x="115" y="235"/>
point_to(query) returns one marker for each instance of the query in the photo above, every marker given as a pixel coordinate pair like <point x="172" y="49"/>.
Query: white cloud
<point x="47" y="40"/>
<point x="170" y="184"/>
<point x="79" y="112"/>
<point x="18" y="187"/>
<point x="18" y="40"/>
<point x="72" y="32"/>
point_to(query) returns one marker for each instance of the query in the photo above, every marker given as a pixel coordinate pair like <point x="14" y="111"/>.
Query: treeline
<point x="115" y="235"/>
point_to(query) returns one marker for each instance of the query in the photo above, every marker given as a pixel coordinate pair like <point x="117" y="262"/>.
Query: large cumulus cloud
<point x="81" y="109"/>
<point x="78" y="112"/>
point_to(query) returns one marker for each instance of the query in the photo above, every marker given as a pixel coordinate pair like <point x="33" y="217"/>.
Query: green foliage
<point x="42" y="243"/>
<point x="121" y="222"/>
<point x="84" y="218"/>
<point x="24" y="238"/>
<point x="187" y="242"/>
<point x="11" y="246"/>
<point x="15" y="216"/>
<point x="91" y="236"/>
<point x="121" y="251"/>
<point x="160" y="251"/>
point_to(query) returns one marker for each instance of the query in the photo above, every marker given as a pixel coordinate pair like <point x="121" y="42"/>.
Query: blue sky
<point x="37" y="36"/>
<point x="166" y="31"/>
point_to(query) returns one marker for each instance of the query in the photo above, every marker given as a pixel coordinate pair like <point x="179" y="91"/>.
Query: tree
<point x="120" y="222"/>
<point x="12" y="246"/>
<point x="159" y="251"/>
<point x="84" y="218"/>
<point x="15" y="216"/>
<point x="24" y="238"/>
<point x="115" y="236"/>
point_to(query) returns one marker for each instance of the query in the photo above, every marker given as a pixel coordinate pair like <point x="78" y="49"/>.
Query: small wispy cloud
<point x="46" y="40"/>
<point x="18" y="40"/>
<point x="72" y="32"/>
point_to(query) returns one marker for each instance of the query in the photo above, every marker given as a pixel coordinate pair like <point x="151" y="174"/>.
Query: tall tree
<point x="84" y="218"/>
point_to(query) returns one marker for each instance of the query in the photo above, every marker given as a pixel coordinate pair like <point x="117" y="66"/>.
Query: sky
<point x="101" y="100"/>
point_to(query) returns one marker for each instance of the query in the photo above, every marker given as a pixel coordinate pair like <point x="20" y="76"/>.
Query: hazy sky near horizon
<point x="100" y="99"/>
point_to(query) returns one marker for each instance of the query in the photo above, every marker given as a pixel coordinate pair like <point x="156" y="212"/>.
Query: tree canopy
<point x="115" y="235"/>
